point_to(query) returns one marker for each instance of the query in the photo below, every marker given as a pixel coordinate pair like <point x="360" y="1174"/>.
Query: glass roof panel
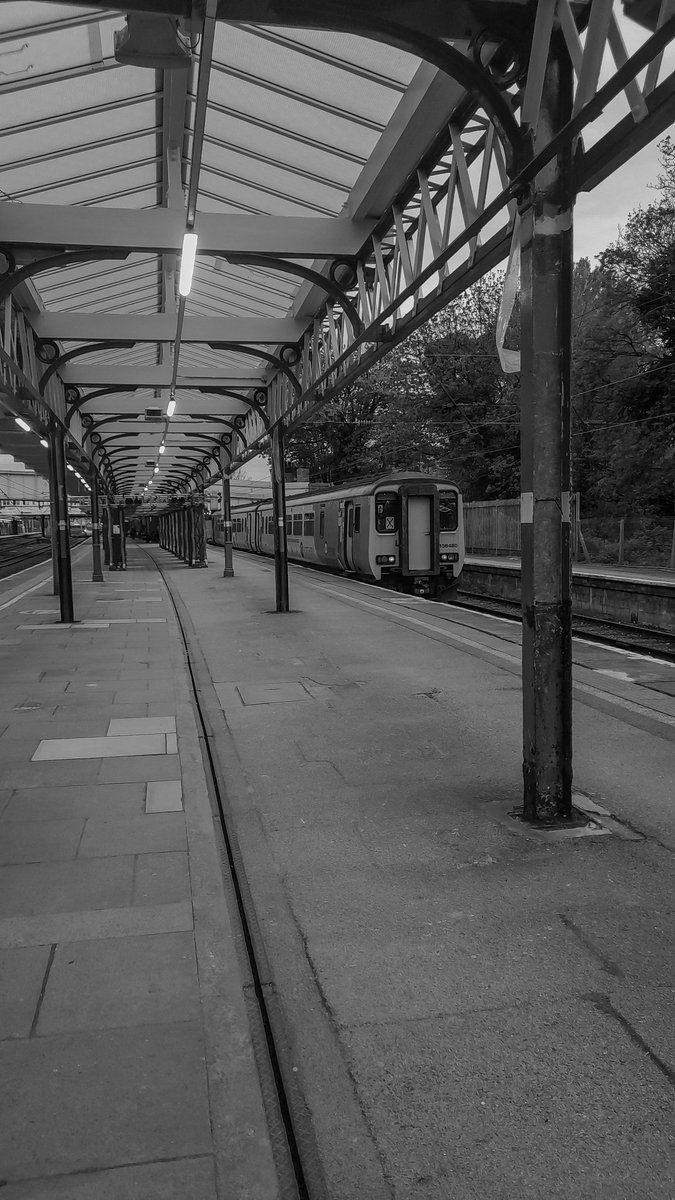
<point x="105" y="160"/>
<point x="61" y="137"/>
<point x="274" y="65"/>
<point x="371" y="56"/>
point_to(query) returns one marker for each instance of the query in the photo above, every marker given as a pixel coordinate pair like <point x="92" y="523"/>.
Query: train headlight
<point x="448" y="558"/>
<point x="385" y="559"/>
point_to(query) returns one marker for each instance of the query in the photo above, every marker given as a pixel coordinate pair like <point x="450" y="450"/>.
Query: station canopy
<point x="346" y="169"/>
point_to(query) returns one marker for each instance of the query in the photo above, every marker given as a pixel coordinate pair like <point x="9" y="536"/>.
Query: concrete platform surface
<point x="120" y="1079"/>
<point x="474" y="1009"/>
<point x="464" y="1007"/>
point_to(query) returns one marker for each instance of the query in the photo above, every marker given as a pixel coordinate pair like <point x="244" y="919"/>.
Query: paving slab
<point x="100" y="747"/>
<point x="164" y="796"/>
<point x="141" y="725"/>
<point x="39" y="841"/>
<point x="47" y="929"/>
<point x="187" y="1179"/>
<point x="24" y="773"/>
<point x="59" y="1120"/>
<point x="138" y="769"/>
<point x="64" y="803"/>
<point x="161" y="879"/>
<point x="533" y="1102"/>
<point x="132" y="835"/>
<point x="22" y="971"/>
<point x="121" y="981"/>
<point x="66" y="886"/>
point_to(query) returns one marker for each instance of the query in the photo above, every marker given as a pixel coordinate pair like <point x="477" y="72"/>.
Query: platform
<point x="466" y="1008"/>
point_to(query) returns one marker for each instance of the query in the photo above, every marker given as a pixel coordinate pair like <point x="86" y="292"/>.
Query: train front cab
<point x="427" y="556"/>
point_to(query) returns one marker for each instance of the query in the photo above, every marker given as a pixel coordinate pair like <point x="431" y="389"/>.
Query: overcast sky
<point x="599" y="214"/>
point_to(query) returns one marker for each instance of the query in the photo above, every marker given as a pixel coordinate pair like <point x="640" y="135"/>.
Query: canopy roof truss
<point x="347" y="176"/>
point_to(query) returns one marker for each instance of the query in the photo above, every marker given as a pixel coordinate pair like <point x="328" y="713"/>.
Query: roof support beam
<point x="162" y="231"/>
<point x="161" y="327"/>
<point x="95" y="376"/>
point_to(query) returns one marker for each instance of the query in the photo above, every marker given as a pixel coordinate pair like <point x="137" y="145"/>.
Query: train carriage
<point x="403" y="530"/>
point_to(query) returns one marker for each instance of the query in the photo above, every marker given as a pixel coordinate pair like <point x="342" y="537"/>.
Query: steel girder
<point x="436" y="229"/>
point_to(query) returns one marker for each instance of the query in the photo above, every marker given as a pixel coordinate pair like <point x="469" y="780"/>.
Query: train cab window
<point x="308" y="524"/>
<point x="357" y="518"/>
<point x="297" y="524"/>
<point x="447" y="511"/>
<point x="386" y="512"/>
<point x="322" y="522"/>
<point x="350" y="522"/>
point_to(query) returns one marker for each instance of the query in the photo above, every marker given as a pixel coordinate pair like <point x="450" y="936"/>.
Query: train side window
<point x="308" y="524"/>
<point x="350" y="522"/>
<point x="448" y="511"/>
<point x="289" y="523"/>
<point x="386" y="512"/>
<point x="297" y="524"/>
<point x="322" y="522"/>
<point x="357" y="518"/>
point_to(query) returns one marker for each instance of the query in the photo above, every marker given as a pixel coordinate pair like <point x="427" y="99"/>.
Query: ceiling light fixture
<point x="162" y="449"/>
<point x="171" y="408"/>
<point x="44" y="443"/>
<point x="23" y="424"/>
<point x="187" y="263"/>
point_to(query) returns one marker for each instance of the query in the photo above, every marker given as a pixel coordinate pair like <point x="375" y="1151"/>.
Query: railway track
<point x="638" y="638"/>
<point x="28" y="554"/>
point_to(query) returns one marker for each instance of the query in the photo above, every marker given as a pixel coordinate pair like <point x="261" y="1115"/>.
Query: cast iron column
<point x="62" y="528"/>
<point x="228" y="569"/>
<point x="53" y="512"/>
<point x="279" y="506"/>
<point x="546" y="305"/>
<point x="97" y="573"/>
<point x="106" y="534"/>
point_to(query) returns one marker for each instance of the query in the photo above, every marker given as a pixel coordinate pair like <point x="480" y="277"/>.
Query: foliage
<point x="440" y="402"/>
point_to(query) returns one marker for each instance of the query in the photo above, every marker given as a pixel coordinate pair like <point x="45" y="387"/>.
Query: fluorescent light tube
<point x="171" y="408"/>
<point x="44" y="443"/>
<point x="187" y="263"/>
<point x="24" y="424"/>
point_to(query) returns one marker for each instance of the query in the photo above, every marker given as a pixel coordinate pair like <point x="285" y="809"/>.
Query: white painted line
<point x="403" y="616"/>
<point x="631" y="705"/>
<point x="588" y="689"/>
<point x="21" y="595"/>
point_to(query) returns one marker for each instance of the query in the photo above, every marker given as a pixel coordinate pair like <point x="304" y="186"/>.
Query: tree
<point x="439" y="402"/>
<point x="639" y="280"/>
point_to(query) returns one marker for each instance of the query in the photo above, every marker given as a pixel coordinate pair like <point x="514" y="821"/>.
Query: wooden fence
<point x="493" y="527"/>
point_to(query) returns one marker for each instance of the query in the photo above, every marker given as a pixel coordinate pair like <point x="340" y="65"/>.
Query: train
<point x="403" y="530"/>
<point x="39" y="523"/>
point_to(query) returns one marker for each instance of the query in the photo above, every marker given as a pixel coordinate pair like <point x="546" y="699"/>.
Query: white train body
<point x="403" y="529"/>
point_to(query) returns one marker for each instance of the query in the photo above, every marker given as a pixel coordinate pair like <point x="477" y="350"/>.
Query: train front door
<point x="420" y="516"/>
<point x="349" y="535"/>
